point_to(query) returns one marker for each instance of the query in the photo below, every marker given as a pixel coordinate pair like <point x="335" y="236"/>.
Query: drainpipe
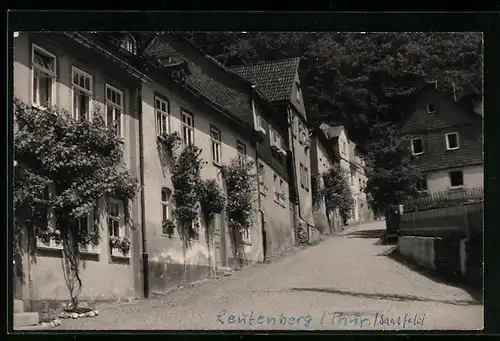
<point x="258" y="166"/>
<point x="145" y="255"/>
<point x="296" y="206"/>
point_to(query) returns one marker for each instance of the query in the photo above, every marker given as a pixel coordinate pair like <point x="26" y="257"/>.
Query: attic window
<point x="452" y="141"/>
<point x="298" y="91"/>
<point x="417" y="146"/>
<point x="430" y="108"/>
<point x="128" y="44"/>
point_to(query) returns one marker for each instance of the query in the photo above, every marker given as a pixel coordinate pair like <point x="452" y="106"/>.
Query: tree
<point x="335" y="191"/>
<point x="391" y="176"/>
<point x="358" y="79"/>
<point x="81" y="161"/>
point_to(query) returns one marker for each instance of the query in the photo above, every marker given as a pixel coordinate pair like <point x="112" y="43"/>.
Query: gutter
<point x="145" y="255"/>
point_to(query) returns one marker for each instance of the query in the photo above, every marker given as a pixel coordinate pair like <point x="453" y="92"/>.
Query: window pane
<point x="164" y="123"/>
<point x="164" y="212"/>
<point x="116" y="228"/>
<point x="110" y="226"/>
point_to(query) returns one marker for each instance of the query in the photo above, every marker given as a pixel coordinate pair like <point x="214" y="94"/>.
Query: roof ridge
<point x="264" y="62"/>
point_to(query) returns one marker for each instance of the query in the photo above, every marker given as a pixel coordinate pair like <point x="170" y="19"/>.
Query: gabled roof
<point x="331" y="132"/>
<point x="274" y="78"/>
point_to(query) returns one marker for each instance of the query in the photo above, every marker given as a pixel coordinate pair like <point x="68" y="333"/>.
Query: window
<point x="162" y="118"/>
<point x="343" y="148"/>
<point x="44" y="77"/>
<point x="422" y="185"/>
<point x="360" y="184"/>
<point x="456" y="179"/>
<point x="116" y="218"/>
<point x="295" y="124"/>
<point x="301" y="170"/>
<point x="194" y="231"/>
<point x="298" y="92"/>
<point x="306" y="178"/>
<point x="187" y="128"/>
<point x="275" y="188"/>
<point x="282" y="192"/>
<point x="114" y="108"/>
<point x="245" y="236"/>
<point x="82" y="94"/>
<point x="452" y="141"/>
<point x="216" y="145"/>
<point x="128" y="44"/>
<point x="430" y="108"/>
<point x="165" y="207"/>
<point x="262" y="178"/>
<point x="242" y="149"/>
<point x="417" y="146"/>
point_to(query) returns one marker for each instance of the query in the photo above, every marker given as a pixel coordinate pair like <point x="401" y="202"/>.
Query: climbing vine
<point x="186" y="180"/>
<point x="65" y="165"/>
<point x="240" y="188"/>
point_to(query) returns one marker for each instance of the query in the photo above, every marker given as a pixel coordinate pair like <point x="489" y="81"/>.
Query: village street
<point x="304" y="290"/>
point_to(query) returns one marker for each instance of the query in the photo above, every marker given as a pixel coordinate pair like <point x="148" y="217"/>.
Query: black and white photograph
<point x="247" y="181"/>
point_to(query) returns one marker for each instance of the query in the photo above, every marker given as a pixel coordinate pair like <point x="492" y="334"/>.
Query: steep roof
<point x="224" y="96"/>
<point x="274" y="78"/>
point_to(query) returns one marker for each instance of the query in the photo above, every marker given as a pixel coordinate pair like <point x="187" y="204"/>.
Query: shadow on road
<point x="382" y="296"/>
<point x="374" y="234"/>
<point x="476" y="293"/>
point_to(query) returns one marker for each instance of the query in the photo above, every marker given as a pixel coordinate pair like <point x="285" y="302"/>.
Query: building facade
<point x="446" y="142"/>
<point x="279" y="81"/>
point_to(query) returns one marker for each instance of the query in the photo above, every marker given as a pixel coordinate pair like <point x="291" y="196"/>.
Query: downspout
<point x="296" y="206"/>
<point x="145" y="255"/>
<point x="258" y="179"/>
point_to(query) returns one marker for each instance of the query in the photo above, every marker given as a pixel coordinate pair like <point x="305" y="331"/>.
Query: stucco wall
<point x="278" y="226"/>
<point x="167" y="255"/>
<point x="440" y="180"/>
<point x="103" y="277"/>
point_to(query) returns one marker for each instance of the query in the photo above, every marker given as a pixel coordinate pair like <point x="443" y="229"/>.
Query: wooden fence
<point x="457" y="212"/>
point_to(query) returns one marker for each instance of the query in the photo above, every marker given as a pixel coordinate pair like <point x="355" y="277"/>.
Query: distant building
<point x="446" y="141"/>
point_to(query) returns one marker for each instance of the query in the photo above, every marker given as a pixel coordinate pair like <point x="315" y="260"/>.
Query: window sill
<point x="50" y="245"/>
<point x="116" y="253"/>
<point x="39" y="107"/>
<point x="168" y="236"/>
<point x="89" y="249"/>
<point x="417" y="154"/>
<point x="217" y="164"/>
<point x="457" y="148"/>
<point x="452" y="188"/>
<point x="246" y="242"/>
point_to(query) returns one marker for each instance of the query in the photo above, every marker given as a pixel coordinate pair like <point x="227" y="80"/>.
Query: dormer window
<point x="128" y="44"/>
<point x="430" y="108"/>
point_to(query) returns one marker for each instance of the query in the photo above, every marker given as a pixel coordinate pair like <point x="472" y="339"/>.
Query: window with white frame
<point x="260" y="123"/>
<point x="116" y="218"/>
<point x="215" y="135"/>
<point x="241" y="149"/>
<point x="343" y="148"/>
<point x="128" y="44"/>
<point x="162" y="116"/>
<point x="187" y="128"/>
<point x="44" y="77"/>
<point x="452" y="142"/>
<point x="456" y="179"/>
<point x="165" y="208"/>
<point x="86" y="224"/>
<point x="417" y="146"/>
<point x="194" y="230"/>
<point x="431" y="108"/>
<point x="282" y="191"/>
<point x="82" y="94"/>
<point x="295" y="126"/>
<point x="114" y="108"/>
<point x="298" y="92"/>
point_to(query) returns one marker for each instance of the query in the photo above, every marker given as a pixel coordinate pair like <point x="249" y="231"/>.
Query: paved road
<point x="313" y="288"/>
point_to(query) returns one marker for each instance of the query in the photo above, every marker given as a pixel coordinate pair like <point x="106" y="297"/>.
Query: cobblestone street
<point x="306" y="290"/>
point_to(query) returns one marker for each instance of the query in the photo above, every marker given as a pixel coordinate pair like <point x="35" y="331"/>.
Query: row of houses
<point x="153" y="84"/>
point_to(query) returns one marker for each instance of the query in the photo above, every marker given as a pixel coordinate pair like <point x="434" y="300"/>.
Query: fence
<point x="457" y="212"/>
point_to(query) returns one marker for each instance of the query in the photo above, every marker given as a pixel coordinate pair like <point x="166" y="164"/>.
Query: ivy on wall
<point x="65" y="165"/>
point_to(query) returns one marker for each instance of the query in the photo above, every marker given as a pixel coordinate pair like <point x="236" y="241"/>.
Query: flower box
<point x="89" y="249"/>
<point x="51" y="244"/>
<point x="117" y="253"/>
